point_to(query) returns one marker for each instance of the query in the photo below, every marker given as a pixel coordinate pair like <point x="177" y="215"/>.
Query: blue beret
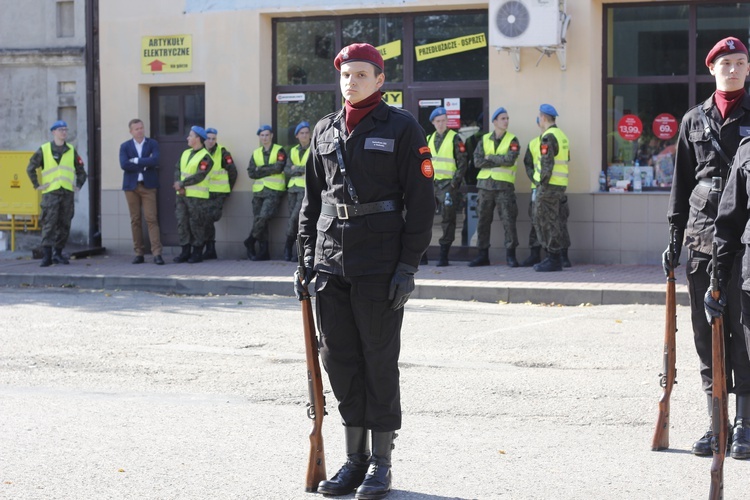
<point x="300" y="126"/>
<point x="199" y="131"/>
<point x="58" y="124"/>
<point x="438" y="112"/>
<point x="497" y="112"/>
<point x="548" y="109"/>
<point x="212" y="131"/>
<point x="264" y="127"/>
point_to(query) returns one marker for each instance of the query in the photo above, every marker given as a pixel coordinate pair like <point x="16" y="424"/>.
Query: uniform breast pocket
<point x="701" y="142"/>
<point x="327" y="151"/>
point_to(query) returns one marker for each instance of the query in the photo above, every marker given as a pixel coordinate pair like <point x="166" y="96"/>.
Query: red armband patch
<point x="79" y="159"/>
<point x="427" y="169"/>
<point x="513" y="146"/>
<point x="203" y="165"/>
<point x="229" y="160"/>
<point x="462" y="147"/>
<point x="545" y="148"/>
<point x="281" y="157"/>
<point x="424" y="150"/>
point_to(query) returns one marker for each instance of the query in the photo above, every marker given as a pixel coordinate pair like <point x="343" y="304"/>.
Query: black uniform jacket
<point x="690" y="205"/>
<point x="386" y="158"/>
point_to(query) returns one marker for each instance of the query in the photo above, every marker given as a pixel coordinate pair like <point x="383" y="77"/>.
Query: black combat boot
<point x="510" y="257"/>
<point x="550" y="264"/>
<point x="443" y="259"/>
<point x="196" y="256"/>
<point x="59" y="258"/>
<point x="262" y="251"/>
<point x="535" y="257"/>
<point x="377" y="481"/>
<point x="352" y="473"/>
<point x="741" y="434"/>
<point x="289" y="248"/>
<point x="210" y="252"/>
<point x="564" y="258"/>
<point x="184" y="256"/>
<point x="46" y="257"/>
<point x="483" y="259"/>
<point x="250" y="245"/>
<point x="702" y="447"/>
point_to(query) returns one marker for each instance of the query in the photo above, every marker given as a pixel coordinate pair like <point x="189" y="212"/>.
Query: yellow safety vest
<point x="506" y="174"/>
<point x="274" y="181"/>
<point x="298" y="180"/>
<point x="536" y="157"/>
<point x="188" y="168"/>
<point x="62" y="175"/>
<point x="443" y="162"/>
<point x="218" y="177"/>
<point x="560" y="170"/>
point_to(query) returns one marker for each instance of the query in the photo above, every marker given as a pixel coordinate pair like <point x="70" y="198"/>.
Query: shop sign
<point x="167" y="54"/>
<point x="664" y="126"/>
<point x="290" y="97"/>
<point x="394" y="98"/>
<point x="630" y="127"/>
<point x="452" y="46"/>
<point x="430" y="103"/>
<point x="390" y="50"/>
<point x="453" y="110"/>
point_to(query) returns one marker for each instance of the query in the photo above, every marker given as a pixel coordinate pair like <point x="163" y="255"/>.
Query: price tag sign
<point x="664" y="126"/>
<point x="630" y="127"/>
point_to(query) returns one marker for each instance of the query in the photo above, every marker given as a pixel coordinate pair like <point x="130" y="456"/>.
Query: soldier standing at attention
<point x="192" y="206"/>
<point x="295" y="188"/>
<point x="701" y="156"/>
<point x="221" y="181"/>
<point x="267" y="169"/>
<point x="450" y="161"/>
<point x="368" y="163"/>
<point x="495" y="157"/>
<point x="62" y="175"/>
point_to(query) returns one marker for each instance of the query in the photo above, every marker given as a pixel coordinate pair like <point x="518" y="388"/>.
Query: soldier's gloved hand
<point x="674" y="256"/>
<point x="301" y="282"/>
<point x="715" y="307"/>
<point x="402" y="284"/>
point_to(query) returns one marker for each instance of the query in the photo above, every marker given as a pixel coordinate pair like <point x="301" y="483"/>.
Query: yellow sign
<point x="452" y="46"/>
<point x="17" y="193"/>
<point x="390" y="50"/>
<point x="167" y="54"/>
<point x="394" y="98"/>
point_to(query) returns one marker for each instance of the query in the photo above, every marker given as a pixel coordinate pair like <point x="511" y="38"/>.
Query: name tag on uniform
<point x="378" y="144"/>
<point x="744" y="131"/>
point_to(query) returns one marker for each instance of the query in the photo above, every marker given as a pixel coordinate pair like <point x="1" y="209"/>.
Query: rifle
<point x="719" y="412"/>
<point x="316" y="407"/>
<point x="668" y="376"/>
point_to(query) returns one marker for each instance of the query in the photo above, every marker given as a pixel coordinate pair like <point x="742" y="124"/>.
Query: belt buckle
<point x="342" y="211"/>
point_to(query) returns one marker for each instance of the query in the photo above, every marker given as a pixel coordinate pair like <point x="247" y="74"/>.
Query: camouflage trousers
<point x="507" y="209"/>
<point x="448" y="212"/>
<point x="294" y="200"/>
<point x="264" y="208"/>
<point x="194" y="216"/>
<point x="58" y="208"/>
<point x="533" y="239"/>
<point x="550" y="218"/>
<point x="215" y="208"/>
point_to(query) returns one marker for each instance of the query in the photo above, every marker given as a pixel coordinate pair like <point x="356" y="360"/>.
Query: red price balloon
<point x="664" y="126"/>
<point x="630" y="127"/>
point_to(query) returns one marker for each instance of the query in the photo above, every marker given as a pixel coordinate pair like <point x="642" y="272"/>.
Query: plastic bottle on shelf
<point x="637" y="182"/>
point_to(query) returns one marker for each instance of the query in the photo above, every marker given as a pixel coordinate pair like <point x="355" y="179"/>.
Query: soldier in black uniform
<point x="368" y="163"/>
<point x="692" y="211"/>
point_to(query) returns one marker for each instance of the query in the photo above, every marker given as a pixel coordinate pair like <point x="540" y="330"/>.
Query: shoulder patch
<point x="514" y="146"/>
<point x="229" y="159"/>
<point x="462" y="147"/>
<point x="427" y="169"/>
<point x="281" y="157"/>
<point x="545" y="148"/>
<point x="424" y="150"/>
<point x="204" y="165"/>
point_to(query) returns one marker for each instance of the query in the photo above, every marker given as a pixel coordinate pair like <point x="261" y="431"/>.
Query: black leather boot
<point x="289" y="248"/>
<point x="46" y="257"/>
<point x="550" y="264"/>
<point x="443" y="259"/>
<point x="564" y="258"/>
<point x="210" y="252"/>
<point x="184" y="256"/>
<point x="250" y="245"/>
<point x="377" y="481"/>
<point x="196" y="256"/>
<point x="262" y="251"/>
<point x="352" y="473"/>
<point x="741" y="433"/>
<point x="510" y="257"/>
<point x="483" y="259"/>
<point x="702" y="447"/>
<point x="59" y="258"/>
<point x="535" y="257"/>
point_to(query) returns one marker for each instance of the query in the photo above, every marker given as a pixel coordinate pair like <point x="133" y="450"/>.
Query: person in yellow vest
<point x="495" y="157"/>
<point x="221" y="181"/>
<point x="62" y="175"/>
<point x="192" y="206"/>
<point x="450" y="161"/>
<point x="267" y="169"/>
<point x="551" y="180"/>
<point x="531" y="164"/>
<point x="295" y="188"/>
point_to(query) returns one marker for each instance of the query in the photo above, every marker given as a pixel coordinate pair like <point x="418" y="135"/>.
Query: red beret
<point x="730" y="45"/>
<point x="359" y="52"/>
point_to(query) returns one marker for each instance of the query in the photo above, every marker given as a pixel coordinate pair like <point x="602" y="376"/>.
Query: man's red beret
<point x="730" y="45"/>
<point x="359" y="52"/>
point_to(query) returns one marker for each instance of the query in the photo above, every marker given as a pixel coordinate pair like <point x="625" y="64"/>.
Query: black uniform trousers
<point x="737" y="361"/>
<point x="360" y="343"/>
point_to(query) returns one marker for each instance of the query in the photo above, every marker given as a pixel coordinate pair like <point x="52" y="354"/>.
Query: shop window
<point x="304" y="51"/>
<point x="384" y="32"/>
<point x="451" y="61"/>
<point x="65" y="20"/>
<point x="716" y="22"/>
<point x="314" y="106"/>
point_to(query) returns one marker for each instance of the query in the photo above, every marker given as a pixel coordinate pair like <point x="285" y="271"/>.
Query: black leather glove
<point x="715" y="307"/>
<point x="673" y="257"/>
<point x="301" y="282"/>
<point x="402" y="284"/>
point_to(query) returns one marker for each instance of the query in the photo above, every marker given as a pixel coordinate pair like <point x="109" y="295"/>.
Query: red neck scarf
<point x="728" y="101"/>
<point x="355" y="112"/>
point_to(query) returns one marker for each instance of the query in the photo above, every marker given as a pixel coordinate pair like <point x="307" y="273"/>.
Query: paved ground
<point x="581" y="284"/>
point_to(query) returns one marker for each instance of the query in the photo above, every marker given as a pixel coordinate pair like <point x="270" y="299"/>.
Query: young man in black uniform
<point x="692" y="211"/>
<point x="368" y="163"/>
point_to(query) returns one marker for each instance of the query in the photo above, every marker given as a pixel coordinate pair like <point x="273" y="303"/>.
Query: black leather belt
<point x="344" y="211"/>
<point x="715" y="183"/>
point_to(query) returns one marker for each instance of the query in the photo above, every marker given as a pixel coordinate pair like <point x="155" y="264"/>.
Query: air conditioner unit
<point x="525" y="23"/>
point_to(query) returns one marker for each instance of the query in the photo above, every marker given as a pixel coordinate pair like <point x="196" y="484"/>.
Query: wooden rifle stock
<point x="668" y="376"/>
<point x="316" y="407"/>
<point x="719" y="411"/>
